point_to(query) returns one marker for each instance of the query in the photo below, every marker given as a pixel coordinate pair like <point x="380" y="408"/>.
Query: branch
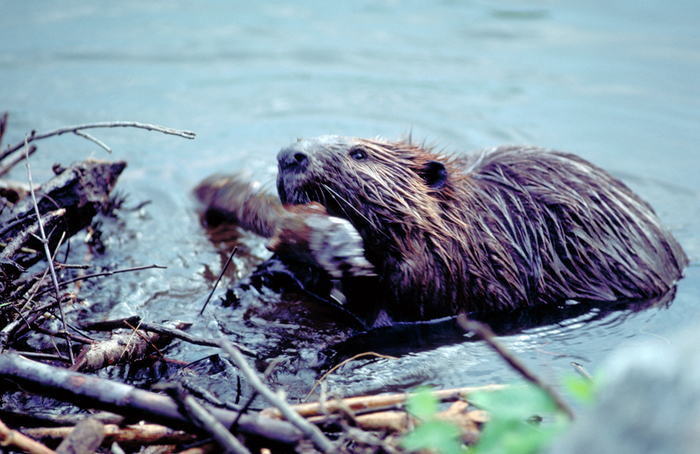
<point x="485" y="332"/>
<point x="91" y="392"/>
<point x="10" y="437"/>
<point x="109" y="124"/>
<point x="93" y="139"/>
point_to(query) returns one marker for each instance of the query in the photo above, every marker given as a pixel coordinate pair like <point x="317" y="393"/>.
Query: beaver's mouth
<point x="292" y="191"/>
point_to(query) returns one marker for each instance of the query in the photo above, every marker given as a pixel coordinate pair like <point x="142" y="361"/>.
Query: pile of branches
<point x="174" y="421"/>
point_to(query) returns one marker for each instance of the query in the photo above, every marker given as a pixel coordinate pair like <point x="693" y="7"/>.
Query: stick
<point x="490" y="338"/>
<point x="93" y="139"/>
<point x="49" y="257"/>
<point x="91" y="392"/>
<point x="135" y="435"/>
<point x="223" y="270"/>
<point x="110" y="124"/>
<point x="12" y="437"/>
<point x="366" y="404"/>
<point x="310" y="430"/>
<point x="161" y="329"/>
<point x="16" y="161"/>
<point x="105" y="273"/>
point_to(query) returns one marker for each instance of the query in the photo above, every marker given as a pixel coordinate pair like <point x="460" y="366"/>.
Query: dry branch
<point x="134" y="435"/>
<point x="9" y="437"/>
<point x="110" y="124"/>
<point x="490" y="338"/>
<point x="109" y="325"/>
<point x="121" y="348"/>
<point x="376" y="403"/>
<point x="204" y="420"/>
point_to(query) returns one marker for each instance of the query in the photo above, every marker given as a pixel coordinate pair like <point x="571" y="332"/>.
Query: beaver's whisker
<point x="338" y="198"/>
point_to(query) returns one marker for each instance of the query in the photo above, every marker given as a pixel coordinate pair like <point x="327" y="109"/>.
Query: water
<point x="615" y="82"/>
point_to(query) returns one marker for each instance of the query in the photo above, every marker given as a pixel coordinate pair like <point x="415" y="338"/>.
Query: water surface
<point x="615" y="82"/>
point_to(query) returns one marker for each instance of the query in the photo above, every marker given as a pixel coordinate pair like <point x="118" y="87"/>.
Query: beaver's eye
<point x="358" y="154"/>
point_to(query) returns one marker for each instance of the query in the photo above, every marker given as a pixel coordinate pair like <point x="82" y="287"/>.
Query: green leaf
<point x="516" y="402"/>
<point x="435" y="435"/>
<point x="508" y="431"/>
<point x="580" y="388"/>
<point x="422" y="403"/>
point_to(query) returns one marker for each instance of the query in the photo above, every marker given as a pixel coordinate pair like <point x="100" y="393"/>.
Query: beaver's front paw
<point x="329" y="242"/>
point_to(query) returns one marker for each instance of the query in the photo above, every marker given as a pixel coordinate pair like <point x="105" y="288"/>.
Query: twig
<point x="109" y="124"/>
<point x="16" y="243"/>
<point x="16" y="161"/>
<point x="338" y="366"/>
<point x="93" y="139"/>
<point x="246" y="406"/>
<point x="3" y="126"/>
<point x="47" y="251"/>
<point x="310" y="430"/>
<point x="223" y="270"/>
<point x="12" y="437"/>
<point x="161" y="329"/>
<point x="485" y="332"/>
<point x="145" y="338"/>
<point x="43" y="356"/>
<point x="134" y="435"/>
<point x="107" y="273"/>
<point x="366" y="404"/>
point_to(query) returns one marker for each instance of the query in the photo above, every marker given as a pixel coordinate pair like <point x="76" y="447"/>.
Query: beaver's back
<point x="548" y="226"/>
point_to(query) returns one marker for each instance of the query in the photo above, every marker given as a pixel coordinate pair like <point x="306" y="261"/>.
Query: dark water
<point x="616" y="82"/>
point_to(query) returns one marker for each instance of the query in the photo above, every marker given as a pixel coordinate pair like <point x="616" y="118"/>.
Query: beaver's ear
<point x="435" y="175"/>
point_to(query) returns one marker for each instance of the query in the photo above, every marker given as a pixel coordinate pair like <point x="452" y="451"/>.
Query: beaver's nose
<point x="290" y="159"/>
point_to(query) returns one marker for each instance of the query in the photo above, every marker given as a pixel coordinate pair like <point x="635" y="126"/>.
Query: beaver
<point x="505" y="228"/>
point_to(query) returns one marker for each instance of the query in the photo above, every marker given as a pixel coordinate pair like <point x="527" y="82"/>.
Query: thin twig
<point x="107" y="273"/>
<point x="310" y="430"/>
<point x="93" y="139"/>
<point x="109" y="325"/>
<point x="109" y="124"/>
<point x="156" y="328"/>
<point x="16" y="161"/>
<point x="485" y="332"/>
<point x="47" y="251"/>
<point x="3" y="126"/>
<point x="338" y="366"/>
<point x="223" y="270"/>
<point x="246" y="406"/>
<point x="145" y="338"/>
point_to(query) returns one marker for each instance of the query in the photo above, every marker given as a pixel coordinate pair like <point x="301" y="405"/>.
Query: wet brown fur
<point x="509" y="227"/>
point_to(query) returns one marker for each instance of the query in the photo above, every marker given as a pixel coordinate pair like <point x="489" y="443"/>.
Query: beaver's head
<point x="386" y="189"/>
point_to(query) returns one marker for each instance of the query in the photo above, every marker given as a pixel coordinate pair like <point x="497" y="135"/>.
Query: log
<point x="81" y="189"/>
